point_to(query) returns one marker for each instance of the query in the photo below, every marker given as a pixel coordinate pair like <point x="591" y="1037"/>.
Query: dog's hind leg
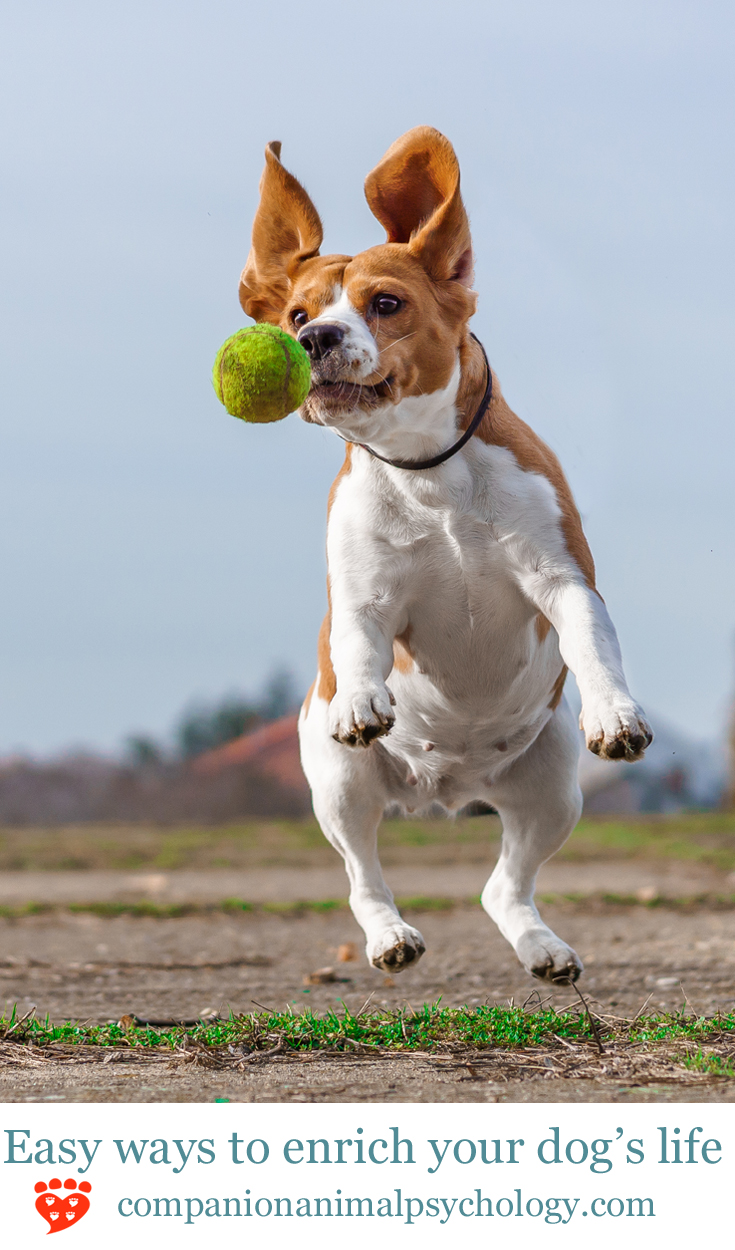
<point x="349" y="796"/>
<point x="539" y="802"/>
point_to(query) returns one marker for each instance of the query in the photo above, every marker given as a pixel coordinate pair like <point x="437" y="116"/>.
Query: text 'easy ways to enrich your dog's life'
<point x="158" y="1174"/>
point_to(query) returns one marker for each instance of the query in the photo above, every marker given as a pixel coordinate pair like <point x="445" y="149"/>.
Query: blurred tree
<point x="204" y="728"/>
<point x="142" y="751"/>
<point x="280" y="695"/>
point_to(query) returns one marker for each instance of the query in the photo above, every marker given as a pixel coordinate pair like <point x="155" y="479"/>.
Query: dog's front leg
<point x="613" y="723"/>
<point x="367" y="581"/>
<point x="362" y="657"/>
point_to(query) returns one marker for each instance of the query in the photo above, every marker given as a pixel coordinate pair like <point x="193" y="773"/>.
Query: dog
<point x="460" y="586"/>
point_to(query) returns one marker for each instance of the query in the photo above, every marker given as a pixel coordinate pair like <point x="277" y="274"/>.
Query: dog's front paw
<point x="617" y="733"/>
<point x="355" y="720"/>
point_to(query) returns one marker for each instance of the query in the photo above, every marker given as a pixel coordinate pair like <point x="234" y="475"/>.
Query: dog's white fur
<point x="459" y="563"/>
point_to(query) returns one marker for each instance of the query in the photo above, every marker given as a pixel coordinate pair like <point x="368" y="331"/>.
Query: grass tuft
<point x="415" y="903"/>
<point x="710" y="1064"/>
<point x="432" y="1028"/>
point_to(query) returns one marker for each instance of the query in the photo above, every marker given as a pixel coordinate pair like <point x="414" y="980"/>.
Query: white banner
<point x="423" y="1174"/>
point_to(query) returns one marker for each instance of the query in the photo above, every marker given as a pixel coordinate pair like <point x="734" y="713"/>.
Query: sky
<point x="154" y="551"/>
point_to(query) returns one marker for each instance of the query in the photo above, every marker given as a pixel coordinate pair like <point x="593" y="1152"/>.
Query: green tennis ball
<point x="261" y="374"/>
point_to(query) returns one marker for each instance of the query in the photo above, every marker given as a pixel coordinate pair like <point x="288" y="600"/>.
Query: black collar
<point x="451" y="451"/>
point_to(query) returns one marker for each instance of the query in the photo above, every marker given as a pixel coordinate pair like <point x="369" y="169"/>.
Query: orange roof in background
<point x="273" y="749"/>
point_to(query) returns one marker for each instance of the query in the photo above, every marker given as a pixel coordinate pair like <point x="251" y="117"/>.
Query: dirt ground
<point x="85" y="966"/>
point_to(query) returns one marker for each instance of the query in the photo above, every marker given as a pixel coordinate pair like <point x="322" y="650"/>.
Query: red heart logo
<point x="62" y="1210"/>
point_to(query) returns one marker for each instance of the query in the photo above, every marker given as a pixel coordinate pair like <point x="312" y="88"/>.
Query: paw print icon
<point x="62" y="1206"/>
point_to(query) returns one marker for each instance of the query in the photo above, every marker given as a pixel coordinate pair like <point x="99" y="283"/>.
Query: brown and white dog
<point x="459" y="595"/>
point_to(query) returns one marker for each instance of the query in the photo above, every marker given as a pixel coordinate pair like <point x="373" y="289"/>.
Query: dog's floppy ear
<point x="286" y="231"/>
<point x="414" y="193"/>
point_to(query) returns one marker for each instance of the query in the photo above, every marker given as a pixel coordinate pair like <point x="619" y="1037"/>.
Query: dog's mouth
<point x="342" y="394"/>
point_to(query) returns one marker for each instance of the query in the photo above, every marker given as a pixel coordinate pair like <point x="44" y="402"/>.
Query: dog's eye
<point x="299" y="317"/>
<point x="386" y="305"/>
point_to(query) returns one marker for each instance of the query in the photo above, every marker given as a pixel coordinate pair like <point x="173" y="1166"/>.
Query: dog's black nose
<point x="319" y="339"/>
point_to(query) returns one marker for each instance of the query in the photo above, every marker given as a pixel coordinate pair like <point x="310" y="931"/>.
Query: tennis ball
<point x="261" y="374"/>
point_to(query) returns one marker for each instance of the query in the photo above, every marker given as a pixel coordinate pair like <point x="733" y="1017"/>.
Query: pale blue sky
<point x="155" y="550"/>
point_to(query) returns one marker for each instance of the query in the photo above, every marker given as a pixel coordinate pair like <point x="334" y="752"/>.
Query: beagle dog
<point x="461" y="587"/>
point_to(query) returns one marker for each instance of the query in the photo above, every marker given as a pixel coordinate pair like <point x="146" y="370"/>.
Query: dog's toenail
<point x="428" y="746"/>
<point x="502" y="745"/>
<point x="413" y="781"/>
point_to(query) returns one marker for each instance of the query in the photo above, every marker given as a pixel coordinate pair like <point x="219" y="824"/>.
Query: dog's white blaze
<point x="359" y="348"/>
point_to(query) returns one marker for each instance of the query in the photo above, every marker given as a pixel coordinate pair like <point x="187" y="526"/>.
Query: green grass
<point x="432" y="1028"/>
<point x="413" y="903"/>
<point x="608" y="898"/>
<point x="245" y="845"/>
<point x="705" y="837"/>
<point x="167" y="911"/>
<point x="710" y="1064"/>
<point x="701" y="837"/>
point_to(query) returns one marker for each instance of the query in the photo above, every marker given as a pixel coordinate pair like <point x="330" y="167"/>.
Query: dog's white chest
<point x="474" y="676"/>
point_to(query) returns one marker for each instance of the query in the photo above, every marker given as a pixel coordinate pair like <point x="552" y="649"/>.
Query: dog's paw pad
<point x="619" y="736"/>
<point x="565" y="975"/>
<point x="548" y="959"/>
<point x="359" y="720"/>
<point x="397" y="950"/>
